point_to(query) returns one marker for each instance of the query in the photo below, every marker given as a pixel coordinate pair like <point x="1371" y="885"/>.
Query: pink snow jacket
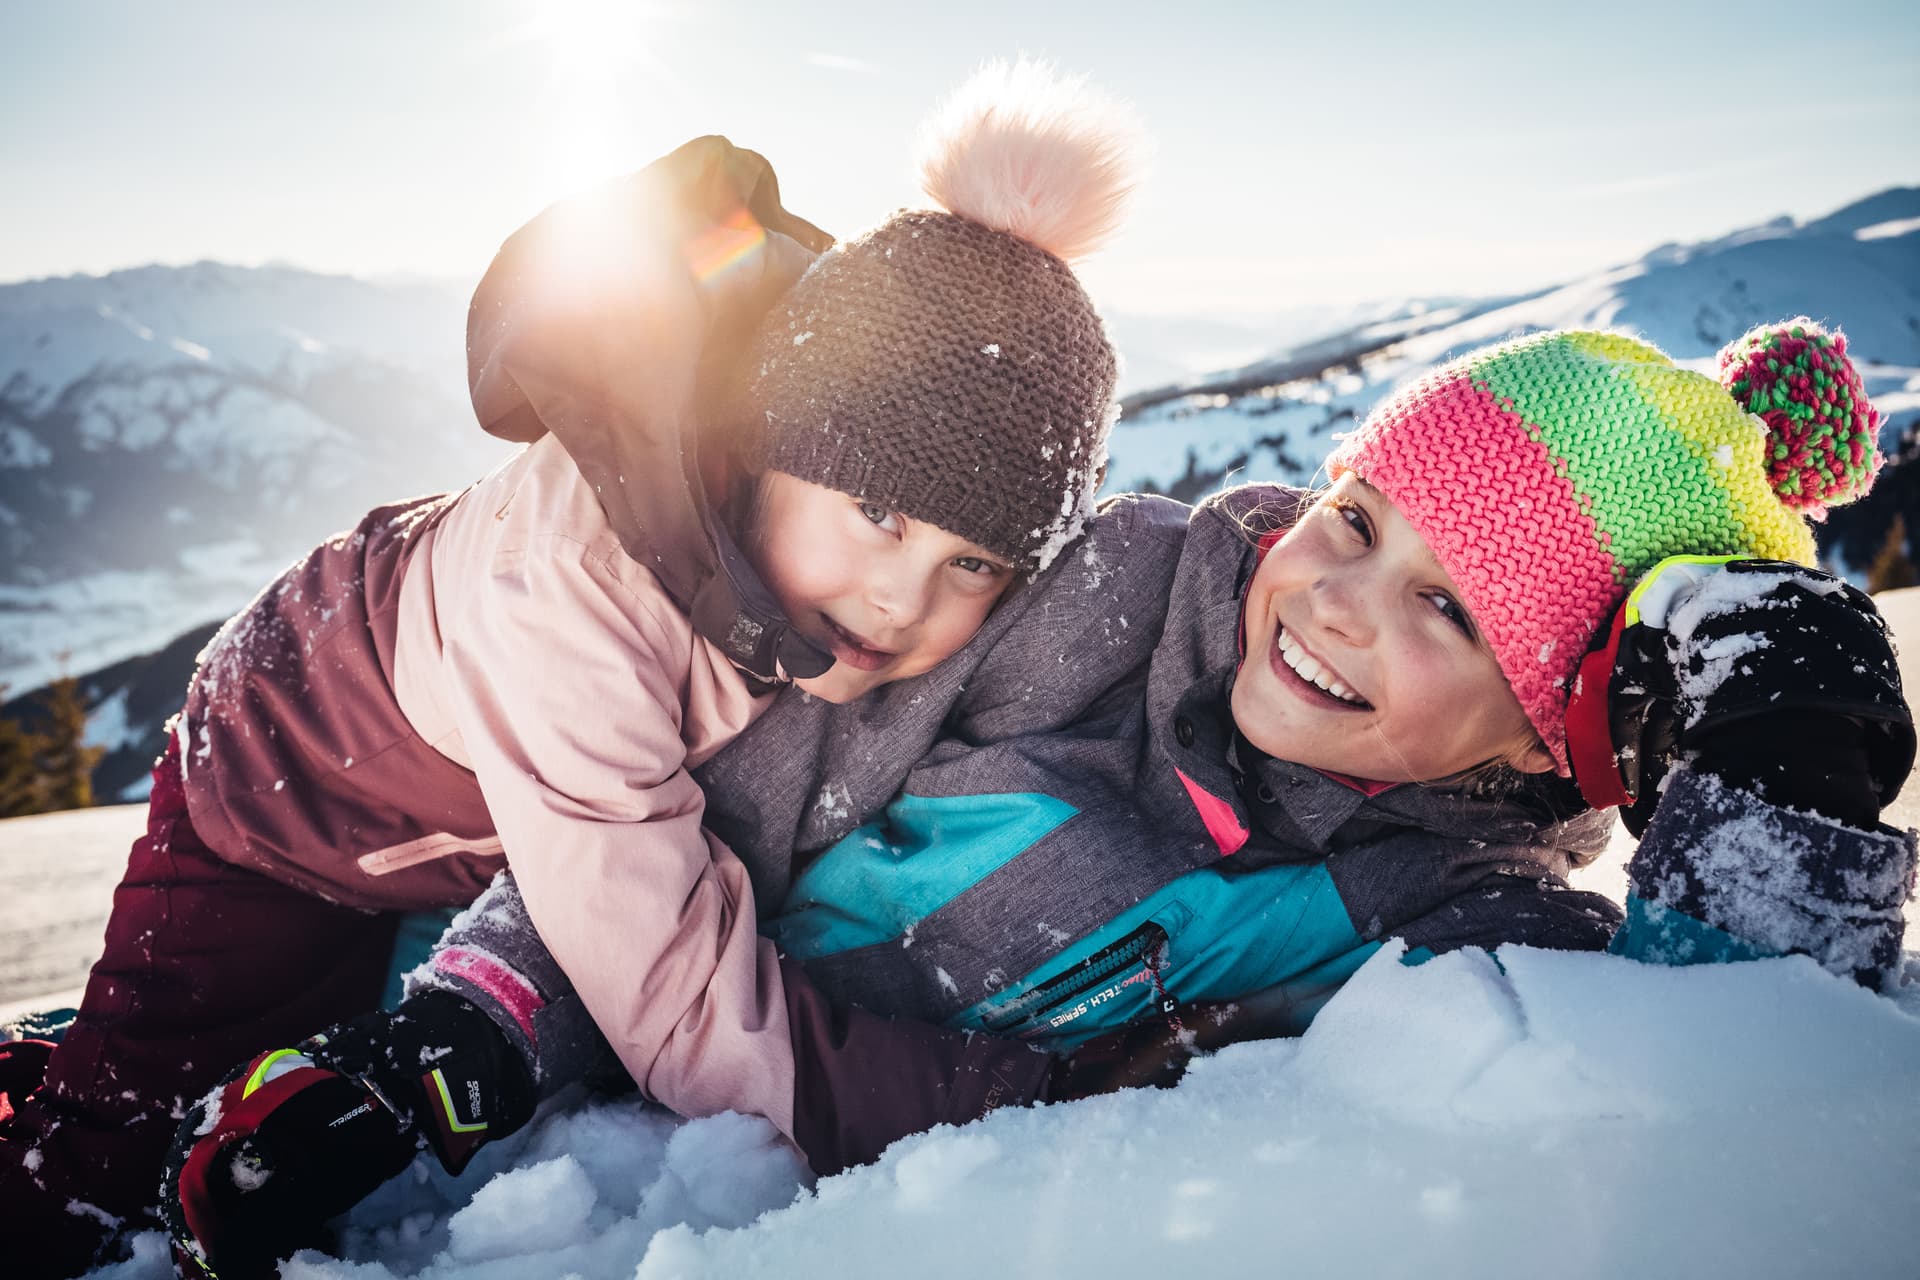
<point x="514" y="671"/>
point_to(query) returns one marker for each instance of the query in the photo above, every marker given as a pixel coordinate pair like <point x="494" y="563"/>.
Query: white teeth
<point x="1309" y="668"/>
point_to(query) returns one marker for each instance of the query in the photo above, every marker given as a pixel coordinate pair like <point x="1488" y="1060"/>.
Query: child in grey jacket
<point x="1561" y="559"/>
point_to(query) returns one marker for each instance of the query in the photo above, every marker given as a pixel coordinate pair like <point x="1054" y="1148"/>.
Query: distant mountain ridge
<point x="170" y="437"/>
<point x="1857" y="268"/>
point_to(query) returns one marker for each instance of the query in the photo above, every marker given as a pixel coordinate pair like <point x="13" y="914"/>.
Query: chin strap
<point x="735" y="611"/>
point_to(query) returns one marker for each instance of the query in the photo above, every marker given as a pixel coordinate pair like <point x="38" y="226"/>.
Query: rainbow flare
<point x="723" y="245"/>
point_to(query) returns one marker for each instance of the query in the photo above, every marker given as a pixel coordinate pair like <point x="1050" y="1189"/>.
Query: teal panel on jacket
<point x="1654" y="934"/>
<point x="880" y="879"/>
<point x="1217" y="934"/>
<point x="412" y="944"/>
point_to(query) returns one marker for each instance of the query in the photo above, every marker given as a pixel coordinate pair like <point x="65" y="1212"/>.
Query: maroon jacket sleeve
<point x="861" y="1081"/>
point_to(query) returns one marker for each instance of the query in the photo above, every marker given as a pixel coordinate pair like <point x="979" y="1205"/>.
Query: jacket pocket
<point x="383" y="862"/>
<point x="1081" y="990"/>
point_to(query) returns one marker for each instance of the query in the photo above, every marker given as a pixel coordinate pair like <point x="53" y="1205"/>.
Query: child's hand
<point x="297" y="1136"/>
<point x="1778" y="678"/>
<point x="261" y="1163"/>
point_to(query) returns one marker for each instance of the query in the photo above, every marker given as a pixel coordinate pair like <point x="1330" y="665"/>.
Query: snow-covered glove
<point x="297" y="1136"/>
<point x="1778" y="678"/>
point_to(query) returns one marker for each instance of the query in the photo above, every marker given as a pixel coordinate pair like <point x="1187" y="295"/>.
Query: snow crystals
<point x="834" y="801"/>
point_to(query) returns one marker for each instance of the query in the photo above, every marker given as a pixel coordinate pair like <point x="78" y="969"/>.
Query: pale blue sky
<point x="1306" y="152"/>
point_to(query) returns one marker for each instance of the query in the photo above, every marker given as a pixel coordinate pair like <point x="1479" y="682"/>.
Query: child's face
<point x="1351" y="595"/>
<point x="890" y="596"/>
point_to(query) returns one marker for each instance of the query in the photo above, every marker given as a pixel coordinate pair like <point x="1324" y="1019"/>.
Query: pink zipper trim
<point x="1222" y="824"/>
<point x="383" y="862"/>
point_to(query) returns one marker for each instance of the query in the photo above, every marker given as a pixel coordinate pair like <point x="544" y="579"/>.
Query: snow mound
<point x="1573" y="1113"/>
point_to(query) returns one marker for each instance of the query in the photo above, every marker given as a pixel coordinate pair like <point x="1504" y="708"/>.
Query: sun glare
<point x="598" y="53"/>
<point x="593" y="37"/>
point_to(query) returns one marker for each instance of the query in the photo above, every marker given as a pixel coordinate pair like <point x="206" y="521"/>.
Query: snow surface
<point x="1575" y="1115"/>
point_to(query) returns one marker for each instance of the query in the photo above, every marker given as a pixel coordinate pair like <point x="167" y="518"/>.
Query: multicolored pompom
<point x="1821" y="429"/>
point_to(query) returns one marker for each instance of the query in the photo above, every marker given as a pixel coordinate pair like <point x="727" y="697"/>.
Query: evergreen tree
<point x="1892" y="569"/>
<point x="20" y="789"/>
<point x="65" y="761"/>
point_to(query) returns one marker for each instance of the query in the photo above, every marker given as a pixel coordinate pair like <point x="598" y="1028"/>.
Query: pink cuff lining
<point x="507" y="988"/>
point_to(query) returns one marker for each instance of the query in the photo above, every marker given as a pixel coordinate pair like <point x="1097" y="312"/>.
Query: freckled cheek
<point x="1462" y="709"/>
<point x="1427" y="685"/>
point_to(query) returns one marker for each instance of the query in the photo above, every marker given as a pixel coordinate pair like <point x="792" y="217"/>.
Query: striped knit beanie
<point x="1549" y="473"/>
<point x="947" y="363"/>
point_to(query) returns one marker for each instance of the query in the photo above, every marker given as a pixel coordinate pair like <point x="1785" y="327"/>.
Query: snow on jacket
<point x="505" y="672"/>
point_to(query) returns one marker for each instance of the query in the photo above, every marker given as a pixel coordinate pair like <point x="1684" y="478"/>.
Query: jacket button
<point x="1183" y="731"/>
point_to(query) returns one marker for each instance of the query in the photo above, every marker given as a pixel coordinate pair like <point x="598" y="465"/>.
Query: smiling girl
<point x="1373" y="667"/>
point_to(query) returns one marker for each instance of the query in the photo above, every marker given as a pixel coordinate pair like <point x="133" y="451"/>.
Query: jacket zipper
<point x="1141" y="947"/>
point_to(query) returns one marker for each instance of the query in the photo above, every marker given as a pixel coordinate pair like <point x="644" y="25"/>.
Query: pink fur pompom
<point x="1025" y="151"/>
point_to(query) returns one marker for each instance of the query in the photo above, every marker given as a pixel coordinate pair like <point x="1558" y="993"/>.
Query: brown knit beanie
<point x="947" y="364"/>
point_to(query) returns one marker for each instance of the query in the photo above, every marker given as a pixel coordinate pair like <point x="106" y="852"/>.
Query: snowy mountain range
<point x="1857" y="268"/>
<point x="171" y="437"/>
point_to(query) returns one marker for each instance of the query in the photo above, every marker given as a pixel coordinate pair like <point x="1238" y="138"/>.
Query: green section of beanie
<point x="1665" y="462"/>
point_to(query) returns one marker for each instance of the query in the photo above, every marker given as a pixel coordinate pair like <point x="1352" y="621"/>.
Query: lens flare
<point x="716" y="249"/>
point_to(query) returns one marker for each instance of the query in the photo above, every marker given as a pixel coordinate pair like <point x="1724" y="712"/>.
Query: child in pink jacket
<point x="746" y="465"/>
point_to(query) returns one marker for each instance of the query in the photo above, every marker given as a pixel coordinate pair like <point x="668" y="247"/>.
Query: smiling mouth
<point x="1310" y="677"/>
<point x="852" y="650"/>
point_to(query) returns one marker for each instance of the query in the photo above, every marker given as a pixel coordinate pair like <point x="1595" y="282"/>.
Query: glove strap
<point x="443" y="1067"/>
<point x="1601" y="716"/>
<point x="458" y="1116"/>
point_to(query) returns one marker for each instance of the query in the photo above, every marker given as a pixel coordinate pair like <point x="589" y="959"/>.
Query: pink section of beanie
<point x="1511" y="531"/>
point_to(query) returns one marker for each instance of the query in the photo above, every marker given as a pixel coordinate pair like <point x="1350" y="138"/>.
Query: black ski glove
<point x="297" y="1136"/>
<point x="1778" y="678"/>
